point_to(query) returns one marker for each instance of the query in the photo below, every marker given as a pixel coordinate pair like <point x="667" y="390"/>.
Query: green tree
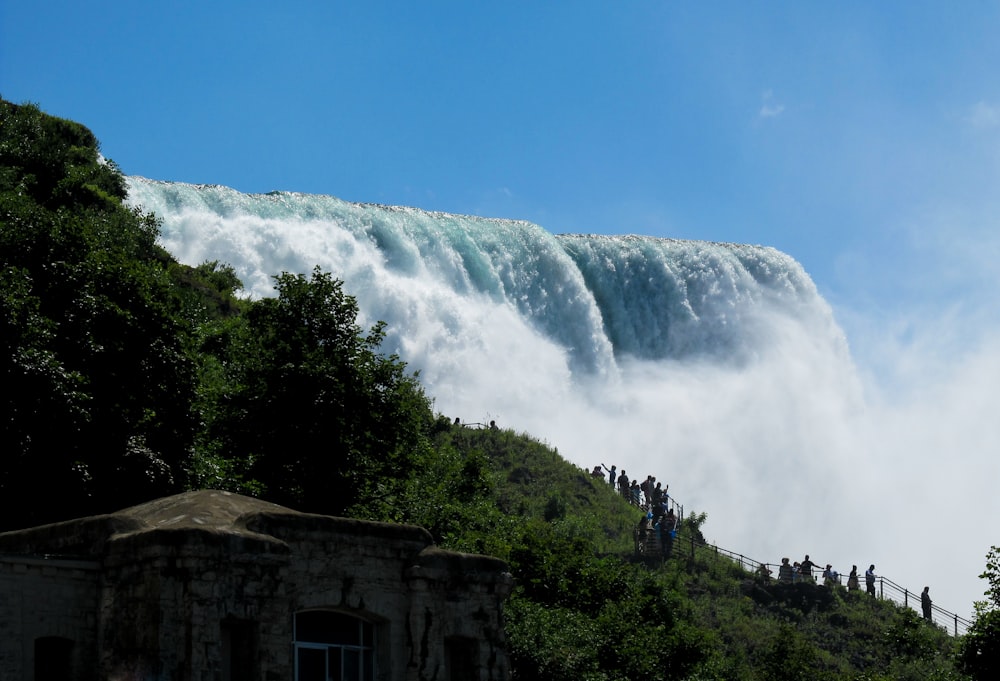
<point x="96" y="379"/>
<point x="979" y="650"/>
<point x="312" y="410"/>
<point x="54" y="162"/>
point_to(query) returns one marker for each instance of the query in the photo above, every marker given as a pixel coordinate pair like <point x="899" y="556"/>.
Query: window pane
<point x="352" y="665"/>
<point x="368" y="659"/>
<point x="335" y="665"/>
<point x="345" y="644"/>
<point x="311" y="664"/>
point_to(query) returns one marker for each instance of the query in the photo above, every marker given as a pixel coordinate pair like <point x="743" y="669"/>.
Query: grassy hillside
<point x="587" y="607"/>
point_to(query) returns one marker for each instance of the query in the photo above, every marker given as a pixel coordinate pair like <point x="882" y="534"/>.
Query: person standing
<point x="656" y="497"/>
<point x="870" y="579"/>
<point x="806" y="568"/>
<point x="636" y="493"/>
<point x="852" y="579"/>
<point x="647" y="488"/>
<point x="612" y="475"/>
<point x="785" y="573"/>
<point x="925" y="603"/>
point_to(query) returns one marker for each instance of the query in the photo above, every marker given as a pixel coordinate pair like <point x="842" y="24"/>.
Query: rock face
<point x="214" y="586"/>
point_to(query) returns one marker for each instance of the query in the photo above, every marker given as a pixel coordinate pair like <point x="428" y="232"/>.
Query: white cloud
<point x="984" y="115"/>
<point x="769" y="108"/>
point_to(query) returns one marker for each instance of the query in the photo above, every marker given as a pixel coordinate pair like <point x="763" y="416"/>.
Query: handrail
<point x="949" y="621"/>
<point x="897" y="594"/>
<point x="937" y="613"/>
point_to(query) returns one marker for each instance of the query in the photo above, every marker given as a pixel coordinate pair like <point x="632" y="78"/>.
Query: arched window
<point x="333" y="646"/>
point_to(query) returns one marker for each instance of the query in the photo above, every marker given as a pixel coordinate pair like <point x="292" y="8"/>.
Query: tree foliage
<point x="310" y="408"/>
<point x="129" y="376"/>
<point x="97" y="383"/>
<point x="979" y="654"/>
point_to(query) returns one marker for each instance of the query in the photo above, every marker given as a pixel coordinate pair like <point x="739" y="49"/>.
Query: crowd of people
<point x="652" y="496"/>
<point x="661" y="520"/>
<point x="802" y="572"/>
<point x="647" y="494"/>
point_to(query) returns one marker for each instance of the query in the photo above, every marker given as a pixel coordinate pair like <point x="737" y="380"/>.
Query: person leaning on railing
<point x="785" y="572"/>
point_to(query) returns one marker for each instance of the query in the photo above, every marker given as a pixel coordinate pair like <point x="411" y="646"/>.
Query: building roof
<point x="211" y="515"/>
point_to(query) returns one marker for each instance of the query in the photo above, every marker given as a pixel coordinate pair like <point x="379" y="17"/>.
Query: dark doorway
<point x="53" y="658"/>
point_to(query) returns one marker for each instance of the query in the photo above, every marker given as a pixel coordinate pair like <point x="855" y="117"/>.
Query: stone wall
<point x="51" y="604"/>
<point x="206" y="587"/>
<point x="173" y="594"/>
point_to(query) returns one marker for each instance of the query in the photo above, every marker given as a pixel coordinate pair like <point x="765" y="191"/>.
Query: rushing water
<point x="716" y="367"/>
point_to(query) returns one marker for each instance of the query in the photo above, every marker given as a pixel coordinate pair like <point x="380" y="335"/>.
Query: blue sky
<point x="861" y="138"/>
<point x="839" y="133"/>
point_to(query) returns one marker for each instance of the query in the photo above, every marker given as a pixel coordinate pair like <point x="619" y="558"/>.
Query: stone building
<point x="213" y="586"/>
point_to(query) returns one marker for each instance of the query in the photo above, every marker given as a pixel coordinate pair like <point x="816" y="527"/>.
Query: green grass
<point x="586" y="607"/>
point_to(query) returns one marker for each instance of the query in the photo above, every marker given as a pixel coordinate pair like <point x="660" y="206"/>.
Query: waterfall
<point x="716" y="367"/>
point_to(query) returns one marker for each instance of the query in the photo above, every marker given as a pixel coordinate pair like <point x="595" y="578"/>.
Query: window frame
<point x="364" y="650"/>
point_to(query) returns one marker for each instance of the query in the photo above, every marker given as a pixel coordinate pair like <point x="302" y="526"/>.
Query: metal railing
<point x="939" y="615"/>
<point x="885" y="587"/>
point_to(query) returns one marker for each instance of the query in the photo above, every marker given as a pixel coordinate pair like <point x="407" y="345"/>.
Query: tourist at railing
<point x="492" y="425"/>
<point x="648" y="495"/>
<point x="806" y="570"/>
<point x="647" y="488"/>
<point x="656" y="496"/>
<point x="785" y="572"/>
<point x="852" y="579"/>
<point x="612" y="475"/>
<point x="870" y="579"/>
<point x="791" y="574"/>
